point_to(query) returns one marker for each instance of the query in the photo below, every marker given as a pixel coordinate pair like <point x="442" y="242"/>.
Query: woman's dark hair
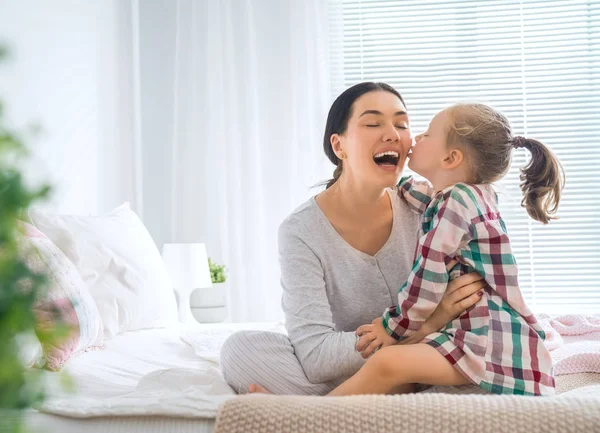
<point x="339" y="114"/>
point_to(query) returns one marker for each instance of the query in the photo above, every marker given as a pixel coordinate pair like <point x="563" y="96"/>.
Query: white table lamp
<point x="187" y="265"/>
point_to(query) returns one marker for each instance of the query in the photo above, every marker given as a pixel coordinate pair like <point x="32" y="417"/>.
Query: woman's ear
<point x="336" y="145"/>
<point x="453" y="159"/>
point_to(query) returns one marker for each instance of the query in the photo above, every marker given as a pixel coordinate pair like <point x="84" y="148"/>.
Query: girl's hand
<point x="373" y="337"/>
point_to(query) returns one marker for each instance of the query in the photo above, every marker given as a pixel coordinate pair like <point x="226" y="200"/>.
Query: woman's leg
<point x="393" y="367"/>
<point x="267" y="359"/>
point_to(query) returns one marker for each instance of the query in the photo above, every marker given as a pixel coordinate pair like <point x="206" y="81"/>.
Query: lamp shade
<point x="187" y="265"/>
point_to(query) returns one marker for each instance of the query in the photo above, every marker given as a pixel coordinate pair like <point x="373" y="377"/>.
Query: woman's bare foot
<point x="257" y="389"/>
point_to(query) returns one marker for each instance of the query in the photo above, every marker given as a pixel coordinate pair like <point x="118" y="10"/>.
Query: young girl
<point x="498" y="343"/>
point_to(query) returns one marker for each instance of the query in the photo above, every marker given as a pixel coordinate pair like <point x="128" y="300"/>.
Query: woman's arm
<point x="324" y="353"/>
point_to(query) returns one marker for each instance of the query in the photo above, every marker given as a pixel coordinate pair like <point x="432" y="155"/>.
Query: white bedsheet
<point x="151" y="372"/>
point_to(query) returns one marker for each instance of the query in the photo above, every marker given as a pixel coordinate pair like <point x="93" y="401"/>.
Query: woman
<point x="343" y="255"/>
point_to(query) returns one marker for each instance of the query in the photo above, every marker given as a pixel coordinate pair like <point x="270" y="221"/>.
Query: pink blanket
<point x="574" y="342"/>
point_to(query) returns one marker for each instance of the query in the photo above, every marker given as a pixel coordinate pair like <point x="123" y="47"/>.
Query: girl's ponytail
<point x="542" y="180"/>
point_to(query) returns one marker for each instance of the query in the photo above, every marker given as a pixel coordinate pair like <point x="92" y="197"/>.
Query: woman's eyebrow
<point x="379" y="113"/>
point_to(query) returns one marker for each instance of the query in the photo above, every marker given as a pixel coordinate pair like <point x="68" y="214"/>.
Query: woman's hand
<point x="461" y="294"/>
<point x="373" y="337"/>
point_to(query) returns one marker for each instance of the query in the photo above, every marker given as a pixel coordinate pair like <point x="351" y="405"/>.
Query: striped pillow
<point x="67" y="294"/>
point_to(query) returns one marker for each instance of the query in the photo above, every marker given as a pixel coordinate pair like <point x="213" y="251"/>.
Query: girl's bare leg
<point x="392" y="368"/>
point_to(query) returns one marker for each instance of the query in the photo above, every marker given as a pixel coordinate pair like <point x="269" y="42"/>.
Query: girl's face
<point x="377" y="140"/>
<point x="430" y="151"/>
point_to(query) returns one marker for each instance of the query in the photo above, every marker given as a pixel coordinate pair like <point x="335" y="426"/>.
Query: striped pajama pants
<point x="266" y="359"/>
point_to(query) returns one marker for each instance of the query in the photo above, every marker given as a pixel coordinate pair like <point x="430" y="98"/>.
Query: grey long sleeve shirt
<point x="330" y="288"/>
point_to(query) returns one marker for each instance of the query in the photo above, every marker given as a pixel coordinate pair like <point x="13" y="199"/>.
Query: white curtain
<point x="206" y="115"/>
<point x="234" y="97"/>
<point x="71" y="71"/>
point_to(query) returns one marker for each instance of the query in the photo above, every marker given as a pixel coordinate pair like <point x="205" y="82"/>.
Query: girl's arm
<point x="422" y="293"/>
<point x="416" y="193"/>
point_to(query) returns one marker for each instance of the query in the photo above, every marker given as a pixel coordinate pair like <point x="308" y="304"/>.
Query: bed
<point x="153" y="381"/>
<point x="168" y="380"/>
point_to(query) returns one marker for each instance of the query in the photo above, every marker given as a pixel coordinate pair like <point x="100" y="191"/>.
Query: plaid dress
<point x="497" y="343"/>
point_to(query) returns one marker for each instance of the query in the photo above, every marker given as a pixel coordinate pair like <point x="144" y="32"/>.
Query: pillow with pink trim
<point x="66" y="294"/>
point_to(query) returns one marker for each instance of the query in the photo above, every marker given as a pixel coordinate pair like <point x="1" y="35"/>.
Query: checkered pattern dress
<point x="498" y="343"/>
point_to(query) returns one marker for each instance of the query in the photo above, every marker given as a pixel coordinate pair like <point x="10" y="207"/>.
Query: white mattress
<point x="148" y="381"/>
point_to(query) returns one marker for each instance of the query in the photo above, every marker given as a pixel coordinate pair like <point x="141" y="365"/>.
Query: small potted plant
<point x="209" y="305"/>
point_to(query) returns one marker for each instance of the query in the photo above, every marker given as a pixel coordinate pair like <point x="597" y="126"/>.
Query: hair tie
<point x="519" y="142"/>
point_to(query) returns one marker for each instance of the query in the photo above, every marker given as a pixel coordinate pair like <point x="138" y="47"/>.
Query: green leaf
<point x="217" y="272"/>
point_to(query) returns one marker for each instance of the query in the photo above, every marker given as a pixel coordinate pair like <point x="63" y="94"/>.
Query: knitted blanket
<point x="576" y="408"/>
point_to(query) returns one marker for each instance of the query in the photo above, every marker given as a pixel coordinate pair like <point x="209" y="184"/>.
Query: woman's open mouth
<point x="387" y="160"/>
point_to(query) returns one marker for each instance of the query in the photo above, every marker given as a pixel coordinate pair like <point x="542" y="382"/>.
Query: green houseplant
<point x="20" y="287"/>
<point x="217" y="272"/>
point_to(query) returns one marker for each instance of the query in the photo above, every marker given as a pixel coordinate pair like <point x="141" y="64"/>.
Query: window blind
<point x="538" y="62"/>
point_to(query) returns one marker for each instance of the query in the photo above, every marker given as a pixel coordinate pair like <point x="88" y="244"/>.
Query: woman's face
<point x="377" y="140"/>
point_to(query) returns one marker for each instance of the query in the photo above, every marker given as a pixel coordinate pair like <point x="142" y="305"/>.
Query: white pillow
<point x="120" y="264"/>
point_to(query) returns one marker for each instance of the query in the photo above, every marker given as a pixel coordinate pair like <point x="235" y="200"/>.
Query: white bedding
<point x="150" y="373"/>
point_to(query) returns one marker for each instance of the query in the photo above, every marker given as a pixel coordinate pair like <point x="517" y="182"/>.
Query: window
<point x="536" y="61"/>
